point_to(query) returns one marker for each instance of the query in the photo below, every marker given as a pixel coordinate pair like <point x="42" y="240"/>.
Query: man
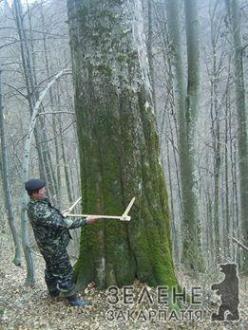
<point x="51" y="231"/>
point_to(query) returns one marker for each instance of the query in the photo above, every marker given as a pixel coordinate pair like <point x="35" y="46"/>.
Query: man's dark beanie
<point x="34" y="184"/>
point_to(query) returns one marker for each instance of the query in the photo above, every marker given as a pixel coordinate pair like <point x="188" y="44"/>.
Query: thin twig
<point x="56" y="112"/>
<point x="239" y="243"/>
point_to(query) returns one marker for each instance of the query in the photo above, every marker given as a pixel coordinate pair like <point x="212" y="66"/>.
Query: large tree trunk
<point x="119" y="151"/>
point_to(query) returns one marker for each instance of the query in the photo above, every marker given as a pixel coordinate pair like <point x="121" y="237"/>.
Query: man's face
<point x="41" y="194"/>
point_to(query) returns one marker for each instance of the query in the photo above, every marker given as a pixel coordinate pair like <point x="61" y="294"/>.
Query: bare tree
<point x="186" y="109"/>
<point x="6" y="183"/>
<point x="233" y="11"/>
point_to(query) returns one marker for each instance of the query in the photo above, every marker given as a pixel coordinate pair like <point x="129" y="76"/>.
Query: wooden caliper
<point x="123" y="217"/>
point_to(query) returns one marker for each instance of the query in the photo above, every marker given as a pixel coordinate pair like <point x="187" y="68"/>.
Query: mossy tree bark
<point x="119" y="151"/>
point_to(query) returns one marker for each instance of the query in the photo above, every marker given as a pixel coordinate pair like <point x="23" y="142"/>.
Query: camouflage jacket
<point x="51" y="228"/>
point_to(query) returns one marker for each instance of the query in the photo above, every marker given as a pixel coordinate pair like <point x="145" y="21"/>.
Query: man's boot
<point x="54" y="293"/>
<point x="76" y="301"/>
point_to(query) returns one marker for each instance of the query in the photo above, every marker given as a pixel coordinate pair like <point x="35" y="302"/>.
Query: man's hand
<point x="92" y="219"/>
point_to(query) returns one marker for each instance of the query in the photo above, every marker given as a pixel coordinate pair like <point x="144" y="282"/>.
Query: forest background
<point x="197" y="63"/>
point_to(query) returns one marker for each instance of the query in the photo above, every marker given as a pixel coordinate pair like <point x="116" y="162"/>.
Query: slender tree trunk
<point x="174" y="229"/>
<point x="227" y="206"/>
<point x="28" y="63"/>
<point x="233" y="160"/>
<point x="167" y="123"/>
<point x="65" y="163"/>
<point x="210" y="229"/>
<point x="150" y="50"/>
<point x="41" y="127"/>
<point x="6" y="184"/>
<point x="30" y="278"/>
<point x="215" y="129"/>
<point x="237" y="223"/>
<point x="119" y="151"/>
<point x="28" y="74"/>
<point x="191" y="222"/>
<point x="234" y="16"/>
<point x="193" y="59"/>
<point x="191" y="256"/>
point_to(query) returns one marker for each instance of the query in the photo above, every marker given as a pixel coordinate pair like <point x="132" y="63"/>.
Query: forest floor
<point x="25" y="308"/>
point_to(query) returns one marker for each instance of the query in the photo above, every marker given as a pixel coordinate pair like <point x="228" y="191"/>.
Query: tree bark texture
<point x="234" y="16"/>
<point x="6" y="184"/>
<point x="119" y="149"/>
<point x="185" y="103"/>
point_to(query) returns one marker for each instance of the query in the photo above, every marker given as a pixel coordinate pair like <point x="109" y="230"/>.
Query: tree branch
<point x="56" y="112"/>
<point x="239" y="243"/>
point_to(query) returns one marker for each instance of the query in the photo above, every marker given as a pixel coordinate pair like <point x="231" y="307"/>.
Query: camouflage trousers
<point x="59" y="275"/>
